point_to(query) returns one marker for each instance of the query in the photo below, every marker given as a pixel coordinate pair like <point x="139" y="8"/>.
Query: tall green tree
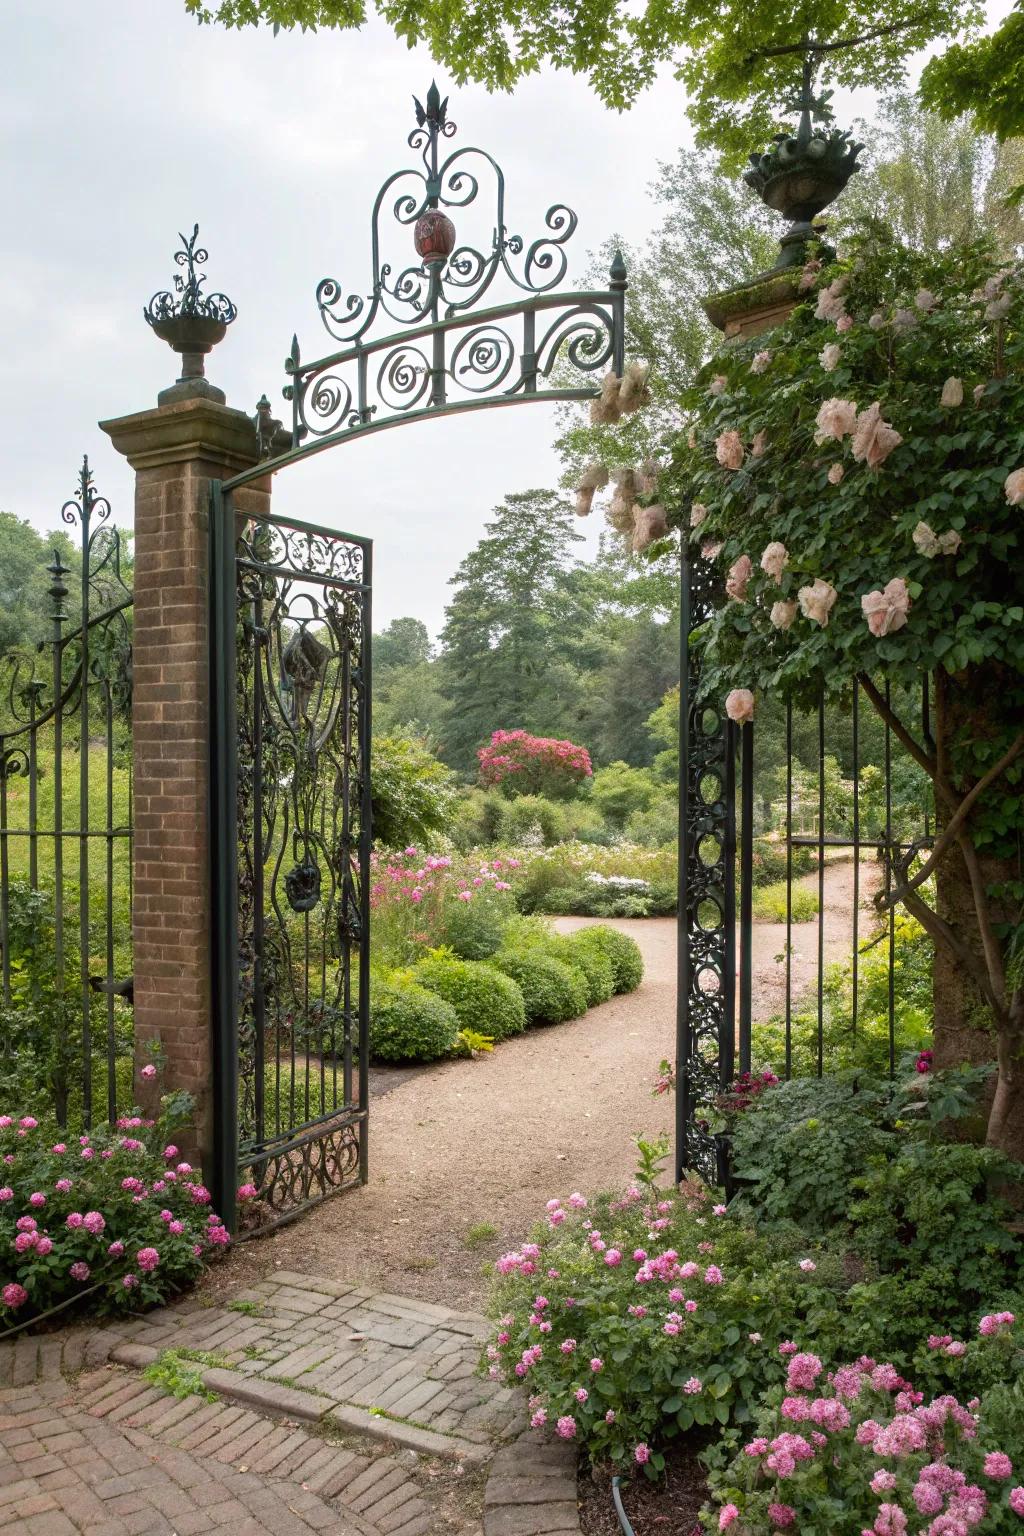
<point x="504" y="639"/>
<point x="736" y="59"/>
<point x="404" y="643"/>
<point x="24" y="579"/>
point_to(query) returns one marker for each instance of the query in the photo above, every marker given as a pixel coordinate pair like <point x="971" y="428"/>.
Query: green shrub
<point x="484" y="999"/>
<point x="620" y="791"/>
<point x="590" y="959"/>
<point x="520" y="819"/>
<point x="656" y="827"/>
<point x="473" y="930"/>
<point x="770" y="861"/>
<point x="552" y="991"/>
<point x="408" y="1022"/>
<point x="623" y="952"/>
<point x="565" y="901"/>
<point x="412" y="792"/>
<point x="770" y="903"/>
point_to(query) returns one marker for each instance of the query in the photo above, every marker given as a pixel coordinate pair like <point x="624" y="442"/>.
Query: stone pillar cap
<point x="184" y="430"/>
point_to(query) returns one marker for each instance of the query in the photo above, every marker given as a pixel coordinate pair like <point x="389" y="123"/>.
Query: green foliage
<point x="770" y="903"/>
<point x="483" y="998"/>
<point x="736" y="62"/>
<point x="984" y="77"/>
<point x="412" y="792"/>
<point x="770" y="862"/>
<point x="573" y="950"/>
<point x="622" y="951"/>
<point x="473" y="930"/>
<point x="552" y="991"/>
<point x="180" y="1372"/>
<point x="408" y="1022"/>
<point x="620" y="791"/>
<point x="861" y="1040"/>
<point x="472" y="1043"/>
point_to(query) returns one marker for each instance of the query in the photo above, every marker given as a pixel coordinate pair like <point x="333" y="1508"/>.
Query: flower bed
<point x="118" y="1217"/>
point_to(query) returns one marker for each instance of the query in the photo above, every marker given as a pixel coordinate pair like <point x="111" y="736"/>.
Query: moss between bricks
<point x="180" y="1372"/>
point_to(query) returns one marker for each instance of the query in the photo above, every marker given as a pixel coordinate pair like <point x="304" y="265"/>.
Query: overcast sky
<point x="124" y="122"/>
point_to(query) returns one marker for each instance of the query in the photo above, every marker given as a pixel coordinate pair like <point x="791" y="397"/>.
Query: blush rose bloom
<point x="740" y="573"/>
<point x="718" y="384"/>
<point x="1014" y="487"/>
<point x="817" y="601"/>
<point x="844" y="324"/>
<point x="887" y="610"/>
<point x="835" y="473"/>
<point x="952" y="392"/>
<point x="829" y="356"/>
<point x="760" y="361"/>
<point x="836" y="418"/>
<point x="930" y="544"/>
<point x="774" y="560"/>
<point x="649" y="523"/>
<point x="759" y="446"/>
<point x="739" y="705"/>
<point x="698" y="512"/>
<point x="874" y="439"/>
<point x="729" y="450"/>
<point x="783" y="614"/>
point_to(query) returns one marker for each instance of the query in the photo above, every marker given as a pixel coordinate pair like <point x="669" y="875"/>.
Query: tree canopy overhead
<point x="738" y="60"/>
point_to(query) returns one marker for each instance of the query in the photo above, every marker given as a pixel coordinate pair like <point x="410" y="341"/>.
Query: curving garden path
<point x="463" y="1155"/>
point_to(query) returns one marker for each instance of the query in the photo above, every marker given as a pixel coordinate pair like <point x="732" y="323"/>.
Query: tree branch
<point x="940" y="930"/>
<point x="810" y="46"/>
<point x="951" y="830"/>
<point x="917" y="752"/>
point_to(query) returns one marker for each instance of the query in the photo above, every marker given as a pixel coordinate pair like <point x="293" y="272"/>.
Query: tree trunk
<point x="965" y="1027"/>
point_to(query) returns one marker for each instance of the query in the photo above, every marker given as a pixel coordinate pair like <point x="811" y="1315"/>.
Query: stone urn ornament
<point x="192" y="323"/>
<point x="803" y="172"/>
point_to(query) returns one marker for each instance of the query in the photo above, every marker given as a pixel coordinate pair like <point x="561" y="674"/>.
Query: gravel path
<point x="470" y="1142"/>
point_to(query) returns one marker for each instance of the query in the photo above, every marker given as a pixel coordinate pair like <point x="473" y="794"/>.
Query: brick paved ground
<point x="324" y="1408"/>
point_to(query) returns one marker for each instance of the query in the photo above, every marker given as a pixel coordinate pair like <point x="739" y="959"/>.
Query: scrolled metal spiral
<point x="328" y="400"/>
<point x="547" y="253"/>
<point x="486" y="354"/>
<point x="328" y="296"/>
<point x="403" y="377"/>
<point x="585" y="333"/>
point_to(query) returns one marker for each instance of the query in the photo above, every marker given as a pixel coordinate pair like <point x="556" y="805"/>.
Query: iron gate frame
<point x="448" y="358"/>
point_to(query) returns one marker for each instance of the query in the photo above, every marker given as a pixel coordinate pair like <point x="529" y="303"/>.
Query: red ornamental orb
<point x="434" y="236"/>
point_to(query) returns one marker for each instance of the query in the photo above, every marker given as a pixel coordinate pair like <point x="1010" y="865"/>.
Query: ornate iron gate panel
<point x="66" y="1029"/>
<point x="291" y="801"/>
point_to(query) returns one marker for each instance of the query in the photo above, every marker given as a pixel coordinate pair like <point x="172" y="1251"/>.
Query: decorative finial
<point x="436" y="110"/>
<point x="192" y="324"/>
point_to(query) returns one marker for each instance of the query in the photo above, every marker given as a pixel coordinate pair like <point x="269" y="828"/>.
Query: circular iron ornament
<point x="302" y="886"/>
<point x="486" y="354"/>
<point x="434" y="236"/>
<point x="403" y="378"/>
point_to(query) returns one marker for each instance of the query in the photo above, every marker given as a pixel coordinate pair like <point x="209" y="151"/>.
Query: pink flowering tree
<point x="521" y="764"/>
<point x="856" y="481"/>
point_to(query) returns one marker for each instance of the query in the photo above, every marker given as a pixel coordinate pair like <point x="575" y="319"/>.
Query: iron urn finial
<point x="192" y="323"/>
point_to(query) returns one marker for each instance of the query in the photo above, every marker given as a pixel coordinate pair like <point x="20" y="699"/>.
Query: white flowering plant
<point x="861" y="508"/>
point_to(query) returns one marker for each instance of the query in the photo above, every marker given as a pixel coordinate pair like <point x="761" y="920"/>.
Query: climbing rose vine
<point x="522" y="764"/>
<point x="853" y="486"/>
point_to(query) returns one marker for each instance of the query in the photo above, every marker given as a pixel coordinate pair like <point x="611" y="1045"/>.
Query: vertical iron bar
<point x="888" y="886"/>
<point x="926" y="732"/>
<point x="684" y="979"/>
<point x="58" y="592"/>
<point x="224" y="852"/>
<point x="855" y="958"/>
<point x="365" y="850"/>
<point x="83" y="803"/>
<point x="821" y="883"/>
<point x="528" y="360"/>
<point x="5" y="880"/>
<point x="788" y="890"/>
<point x="261" y="636"/>
<point x="727" y="1039"/>
<point x="33" y="779"/>
<point x="109" y="906"/>
<point x="746" y="892"/>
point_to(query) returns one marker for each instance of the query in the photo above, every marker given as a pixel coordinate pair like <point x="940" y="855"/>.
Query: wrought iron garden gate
<point x="290" y="636"/>
<point x="291" y="697"/>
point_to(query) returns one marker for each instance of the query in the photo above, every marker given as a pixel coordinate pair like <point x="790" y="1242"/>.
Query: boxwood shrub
<point x="408" y="1022"/>
<point x="484" y="998"/>
<point x="589" y="958"/>
<point x="552" y="991"/>
<point x="623" y="952"/>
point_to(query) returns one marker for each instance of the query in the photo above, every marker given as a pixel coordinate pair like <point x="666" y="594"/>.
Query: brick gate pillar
<point x="176" y="450"/>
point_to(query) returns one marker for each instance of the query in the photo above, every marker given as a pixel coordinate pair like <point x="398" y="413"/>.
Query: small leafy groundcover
<point x="861" y="1451"/>
<point x="631" y="1320"/>
<point x="116" y="1218"/>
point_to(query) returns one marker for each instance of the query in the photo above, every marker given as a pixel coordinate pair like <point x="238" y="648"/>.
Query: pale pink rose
<point x="952" y="392"/>
<point x="877" y="321"/>
<point x="831" y="304"/>
<point x="887" y="610"/>
<point x="844" y="324"/>
<point x="925" y="541"/>
<point x="904" y="319"/>
<point x="874" y="439"/>
<point x="829" y="356"/>
<point x="698" y="512"/>
<point x="774" y="560"/>
<point x="740" y="573"/>
<point x="978" y="392"/>
<point x="759" y="446"/>
<point x="760" y="361"/>
<point x="836" y="418"/>
<point x="1014" y="487"/>
<point x="711" y="550"/>
<point x="783" y="614"/>
<point x="739" y="705"/>
<point x="817" y="601"/>
<point x="809" y="275"/>
<point x="925" y="300"/>
<point x="649" y="524"/>
<point x="835" y="473"/>
<point x="729" y="450"/>
<point x="949" y="542"/>
<point x="718" y="384"/>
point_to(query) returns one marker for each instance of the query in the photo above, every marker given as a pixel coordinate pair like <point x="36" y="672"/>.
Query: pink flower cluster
<point x="538" y="763"/>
